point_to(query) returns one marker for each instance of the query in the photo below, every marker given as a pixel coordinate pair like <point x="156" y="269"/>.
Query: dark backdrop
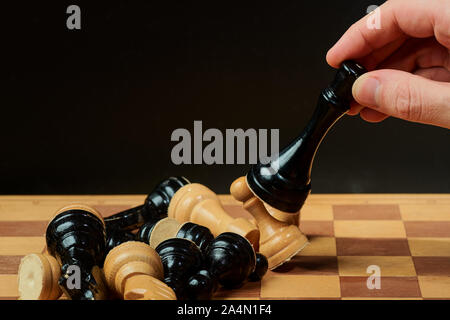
<point x="92" y="111"/>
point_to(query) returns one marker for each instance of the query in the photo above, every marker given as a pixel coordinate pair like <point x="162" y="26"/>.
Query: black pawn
<point x="230" y="259"/>
<point x="181" y="259"/>
<point x="145" y="231"/>
<point x="262" y="265"/>
<point x="76" y="237"/>
<point x="154" y="208"/>
<point x="198" y="234"/>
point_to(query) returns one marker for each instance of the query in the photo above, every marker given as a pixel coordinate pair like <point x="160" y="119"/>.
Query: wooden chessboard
<point x="406" y="235"/>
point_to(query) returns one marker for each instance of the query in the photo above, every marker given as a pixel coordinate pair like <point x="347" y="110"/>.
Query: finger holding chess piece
<point x="280" y="241"/>
<point x="134" y="271"/>
<point x="155" y="232"/>
<point x="38" y="277"/>
<point x="198" y="204"/>
<point x="154" y="208"/>
<point x="76" y="238"/>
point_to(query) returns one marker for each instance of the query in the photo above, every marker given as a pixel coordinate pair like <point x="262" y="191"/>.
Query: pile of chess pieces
<point x="180" y="244"/>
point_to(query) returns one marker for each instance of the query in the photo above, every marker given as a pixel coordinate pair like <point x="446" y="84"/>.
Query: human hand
<point x="408" y="59"/>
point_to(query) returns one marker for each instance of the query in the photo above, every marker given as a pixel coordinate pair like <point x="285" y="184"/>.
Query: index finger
<point x="398" y="18"/>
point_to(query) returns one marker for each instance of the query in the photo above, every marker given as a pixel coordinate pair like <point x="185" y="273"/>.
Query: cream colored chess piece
<point x="38" y="277"/>
<point x="134" y="270"/>
<point x="196" y="203"/>
<point x="280" y="241"/>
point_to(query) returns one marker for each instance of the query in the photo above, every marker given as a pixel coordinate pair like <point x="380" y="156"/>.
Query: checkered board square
<point x="406" y="236"/>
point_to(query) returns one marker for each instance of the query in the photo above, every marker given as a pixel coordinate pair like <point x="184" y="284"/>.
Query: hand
<point x="411" y="52"/>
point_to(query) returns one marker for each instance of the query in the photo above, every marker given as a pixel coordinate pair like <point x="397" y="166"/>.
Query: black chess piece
<point x="230" y="258"/>
<point x="228" y="261"/>
<point x="154" y="208"/>
<point x="116" y="237"/>
<point x="198" y="234"/>
<point x="76" y="238"/>
<point x="181" y="258"/>
<point x="285" y="182"/>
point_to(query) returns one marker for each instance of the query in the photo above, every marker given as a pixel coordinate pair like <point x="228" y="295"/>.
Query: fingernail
<point x="365" y="90"/>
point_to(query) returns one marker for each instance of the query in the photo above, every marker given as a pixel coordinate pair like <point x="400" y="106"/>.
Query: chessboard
<point x="405" y="236"/>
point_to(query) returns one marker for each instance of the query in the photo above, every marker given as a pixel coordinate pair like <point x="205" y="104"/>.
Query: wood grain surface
<point x="406" y="235"/>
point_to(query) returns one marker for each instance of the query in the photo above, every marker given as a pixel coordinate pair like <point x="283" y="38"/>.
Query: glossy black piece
<point x="77" y="238"/>
<point x="115" y="237"/>
<point x="181" y="259"/>
<point x="201" y="286"/>
<point x="230" y="259"/>
<point x="285" y="182"/>
<point x="262" y="265"/>
<point x="154" y="208"/>
<point x="200" y="235"/>
<point x="145" y="231"/>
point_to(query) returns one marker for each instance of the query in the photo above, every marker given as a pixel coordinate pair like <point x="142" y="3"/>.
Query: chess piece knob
<point x="262" y="265"/>
<point x="280" y="241"/>
<point x="198" y="204"/>
<point x="134" y="271"/>
<point x="38" y="277"/>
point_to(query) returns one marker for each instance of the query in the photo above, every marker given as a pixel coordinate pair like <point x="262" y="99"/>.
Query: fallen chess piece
<point x="38" y="277"/>
<point x="154" y="208"/>
<point x="228" y="261"/>
<point x="134" y="271"/>
<point x="76" y="238"/>
<point x="117" y="237"/>
<point x="280" y="241"/>
<point x="154" y="233"/>
<point x="198" y="204"/>
<point x="181" y="258"/>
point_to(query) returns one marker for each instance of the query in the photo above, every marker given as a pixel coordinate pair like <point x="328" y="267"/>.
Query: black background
<point x="92" y="110"/>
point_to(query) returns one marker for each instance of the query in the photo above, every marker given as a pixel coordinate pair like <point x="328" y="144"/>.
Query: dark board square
<point x="432" y="266"/>
<point x="22" y="228"/>
<point x="427" y="228"/>
<point x="9" y="264"/>
<point x="399" y="287"/>
<point x="372" y="247"/>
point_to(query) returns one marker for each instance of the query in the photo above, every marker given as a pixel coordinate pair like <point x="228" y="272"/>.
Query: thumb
<point x="404" y="95"/>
